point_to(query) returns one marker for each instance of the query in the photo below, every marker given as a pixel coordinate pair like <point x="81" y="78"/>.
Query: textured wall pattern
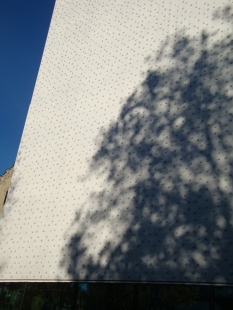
<point x="124" y="171"/>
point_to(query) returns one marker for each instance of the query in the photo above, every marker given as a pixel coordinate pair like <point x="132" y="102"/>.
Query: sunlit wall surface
<point x="124" y="171"/>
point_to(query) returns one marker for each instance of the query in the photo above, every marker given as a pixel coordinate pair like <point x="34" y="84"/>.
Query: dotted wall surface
<point x="124" y="171"/>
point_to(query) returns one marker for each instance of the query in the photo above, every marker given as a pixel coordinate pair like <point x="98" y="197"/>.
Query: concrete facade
<point x="5" y="181"/>
<point x="124" y="171"/>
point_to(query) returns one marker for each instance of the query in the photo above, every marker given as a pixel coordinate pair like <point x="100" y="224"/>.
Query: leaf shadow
<point x="165" y="211"/>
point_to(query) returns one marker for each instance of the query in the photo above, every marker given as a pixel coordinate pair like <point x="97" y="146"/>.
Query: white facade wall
<point x="124" y="170"/>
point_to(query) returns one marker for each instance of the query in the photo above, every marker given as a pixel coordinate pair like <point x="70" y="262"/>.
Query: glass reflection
<point x="49" y="296"/>
<point x="11" y="295"/>
<point x="223" y="298"/>
<point x="105" y="296"/>
<point x="142" y="297"/>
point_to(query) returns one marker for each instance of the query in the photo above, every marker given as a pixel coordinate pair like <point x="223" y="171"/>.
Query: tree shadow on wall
<point x="165" y="211"/>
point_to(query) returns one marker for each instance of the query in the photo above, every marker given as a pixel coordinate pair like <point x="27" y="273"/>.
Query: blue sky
<point x="24" y="27"/>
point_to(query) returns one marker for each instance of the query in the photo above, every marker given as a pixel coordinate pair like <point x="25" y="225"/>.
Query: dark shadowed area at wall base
<point x="89" y="296"/>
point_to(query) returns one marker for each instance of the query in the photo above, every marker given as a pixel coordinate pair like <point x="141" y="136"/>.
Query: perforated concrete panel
<point x="124" y="171"/>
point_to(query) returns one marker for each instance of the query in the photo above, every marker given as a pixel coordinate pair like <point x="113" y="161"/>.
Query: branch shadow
<point x="165" y="211"/>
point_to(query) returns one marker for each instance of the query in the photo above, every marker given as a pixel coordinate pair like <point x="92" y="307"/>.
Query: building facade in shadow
<point x="5" y="181"/>
<point x="124" y="171"/>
